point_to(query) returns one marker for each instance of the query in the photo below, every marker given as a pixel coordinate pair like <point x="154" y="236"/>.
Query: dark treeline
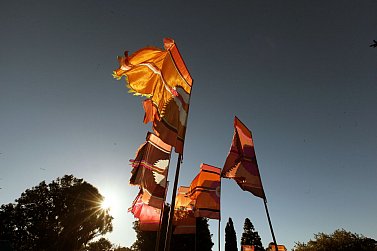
<point x="66" y="215"/>
<point x="63" y="215"/>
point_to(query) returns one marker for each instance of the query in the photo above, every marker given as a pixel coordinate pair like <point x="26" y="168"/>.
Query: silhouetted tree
<point x="63" y="215"/>
<point x="101" y="245"/>
<point x="122" y="249"/>
<point x="340" y="240"/>
<point x="230" y="237"/>
<point x="250" y="236"/>
<point x="145" y="240"/>
<point x="5" y="246"/>
<point x="202" y="239"/>
<point x="203" y="235"/>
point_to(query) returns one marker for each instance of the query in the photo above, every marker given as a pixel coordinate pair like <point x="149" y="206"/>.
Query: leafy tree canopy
<point x="203" y="235"/>
<point x="250" y="236"/>
<point x="101" y="245"/>
<point x="63" y="215"/>
<point x="122" y="249"/>
<point x="341" y="240"/>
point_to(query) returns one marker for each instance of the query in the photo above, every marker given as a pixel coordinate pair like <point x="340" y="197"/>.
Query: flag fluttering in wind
<point x="205" y="191"/>
<point x="162" y="77"/>
<point x="184" y="218"/>
<point x="150" y="168"/>
<point x="149" y="217"/>
<point x="241" y="163"/>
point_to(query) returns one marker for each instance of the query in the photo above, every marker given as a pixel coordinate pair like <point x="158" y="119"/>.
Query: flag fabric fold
<point x="241" y="163"/>
<point x="205" y="191"/>
<point x="150" y="169"/>
<point x="163" y="78"/>
<point x="149" y="217"/>
<point x="183" y="200"/>
<point x="184" y="218"/>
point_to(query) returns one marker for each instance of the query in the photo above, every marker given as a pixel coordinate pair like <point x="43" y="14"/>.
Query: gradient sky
<point x="300" y="74"/>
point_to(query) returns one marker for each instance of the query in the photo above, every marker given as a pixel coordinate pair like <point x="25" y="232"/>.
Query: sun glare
<point x="111" y="203"/>
<point x="106" y="203"/>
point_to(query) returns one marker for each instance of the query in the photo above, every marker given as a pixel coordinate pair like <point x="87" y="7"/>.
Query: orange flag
<point x="247" y="247"/>
<point x="184" y="219"/>
<point x="162" y="77"/>
<point x="205" y="191"/>
<point x="241" y="163"/>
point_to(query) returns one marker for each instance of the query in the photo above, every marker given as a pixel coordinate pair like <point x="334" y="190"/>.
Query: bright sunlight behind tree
<point x="63" y="215"/>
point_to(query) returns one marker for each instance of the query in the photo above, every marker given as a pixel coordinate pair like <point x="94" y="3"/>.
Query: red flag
<point x="205" y="191"/>
<point x="183" y="200"/>
<point x="150" y="168"/>
<point x="241" y="163"/>
<point x="149" y="217"/>
<point x="162" y="77"/>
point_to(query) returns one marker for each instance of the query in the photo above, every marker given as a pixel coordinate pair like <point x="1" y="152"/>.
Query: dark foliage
<point x="145" y="240"/>
<point x="101" y="245"/>
<point x="230" y="237"/>
<point x="63" y="215"/>
<point x="250" y="236"/>
<point x="340" y="240"/>
<point x="203" y="235"/>
<point x="122" y="249"/>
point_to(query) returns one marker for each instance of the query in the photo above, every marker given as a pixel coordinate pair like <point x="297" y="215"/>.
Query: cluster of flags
<point x="150" y="169"/>
<point x="205" y="191"/>
<point x="161" y="76"/>
<point x="200" y="199"/>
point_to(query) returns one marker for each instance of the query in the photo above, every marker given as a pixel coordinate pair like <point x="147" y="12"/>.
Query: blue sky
<point x="299" y="74"/>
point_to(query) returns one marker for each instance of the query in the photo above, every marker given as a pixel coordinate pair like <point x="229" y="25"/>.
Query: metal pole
<point x="171" y="213"/>
<point x="159" y="230"/>
<point x="196" y="232"/>
<point x="269" y="222"/>
<point x="219" y="235"/>
<point x="158" y="237"/>
<point x="157" y="248"/>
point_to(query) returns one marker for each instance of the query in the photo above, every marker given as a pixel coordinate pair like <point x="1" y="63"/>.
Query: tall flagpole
<point x="265" y="202"/>
<point x="174" y="193"/>
<point x="158" y="236"/>
<point x="196" y="232"/>
<point x="157" y="248"/>
<point x="269" y="222"/>
<point x="218" y="233"/>
<point x="172" y="205"/>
